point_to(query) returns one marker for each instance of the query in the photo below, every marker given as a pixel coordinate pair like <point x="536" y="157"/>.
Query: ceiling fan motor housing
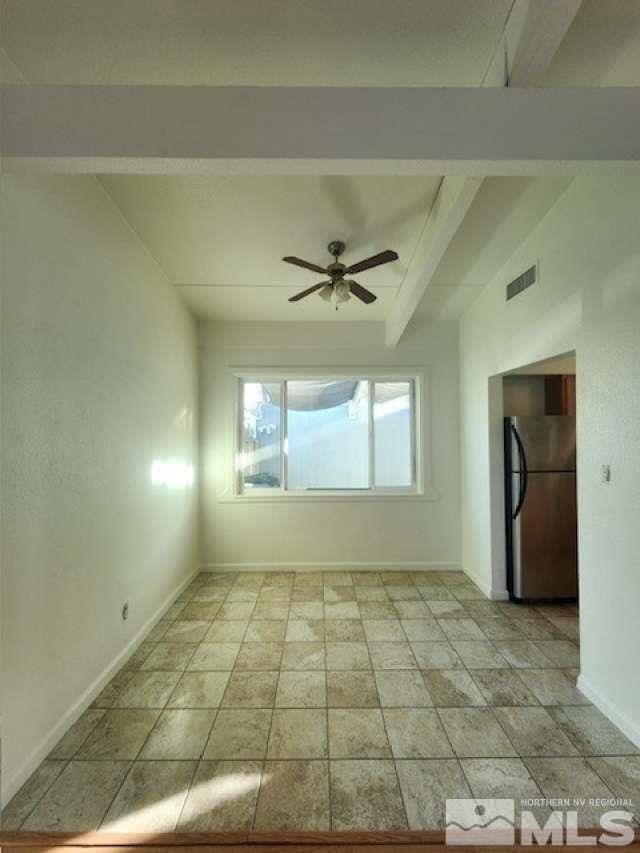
<point x="336" y="271"/>
<point x="336" y="248"/>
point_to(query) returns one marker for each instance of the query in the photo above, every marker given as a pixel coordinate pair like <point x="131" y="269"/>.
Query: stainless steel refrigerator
<point x="541" y="507"/>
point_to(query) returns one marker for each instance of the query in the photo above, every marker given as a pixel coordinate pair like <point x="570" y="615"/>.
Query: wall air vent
<point x="525" y="280"/>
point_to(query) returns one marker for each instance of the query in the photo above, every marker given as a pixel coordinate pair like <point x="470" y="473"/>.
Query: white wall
<point x="358" y="530"/>
<point x="99" y="379"/>
<point x="587" y="299"/>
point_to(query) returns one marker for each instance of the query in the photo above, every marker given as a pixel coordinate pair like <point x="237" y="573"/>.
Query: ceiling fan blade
<point x="362" y="293"/>
<point x="374" y="261"/>
<point x="308" y="291"/>
<point x="298" y="262"/>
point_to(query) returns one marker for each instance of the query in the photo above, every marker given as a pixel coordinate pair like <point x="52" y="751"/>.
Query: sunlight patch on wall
<point x="172" y="473"/>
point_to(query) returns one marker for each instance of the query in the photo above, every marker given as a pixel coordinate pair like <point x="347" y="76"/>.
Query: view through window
<point x="327" y="434"/>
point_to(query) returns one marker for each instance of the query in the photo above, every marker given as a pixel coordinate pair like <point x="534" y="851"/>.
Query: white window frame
<point x="420" y="438"/>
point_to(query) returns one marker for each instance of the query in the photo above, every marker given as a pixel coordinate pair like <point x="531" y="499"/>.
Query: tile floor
<point x="331" y="700"/>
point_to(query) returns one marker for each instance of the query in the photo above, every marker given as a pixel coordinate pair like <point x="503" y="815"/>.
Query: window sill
<point x="428" y="494"/>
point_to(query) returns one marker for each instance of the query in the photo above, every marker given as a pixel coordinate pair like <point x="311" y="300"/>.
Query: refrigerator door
<point x="548" y="442"/>
<point x="544" y="537"/>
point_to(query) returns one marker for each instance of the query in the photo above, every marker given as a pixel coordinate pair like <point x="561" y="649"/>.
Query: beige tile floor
<point x="331" y="700"/>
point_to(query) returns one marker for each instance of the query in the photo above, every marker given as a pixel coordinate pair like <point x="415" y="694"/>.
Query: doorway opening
<point x="540" y="494"/>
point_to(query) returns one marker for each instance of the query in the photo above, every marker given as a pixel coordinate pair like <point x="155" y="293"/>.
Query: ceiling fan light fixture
<point x="343" y="291"/>
<point x="343" y="288"/>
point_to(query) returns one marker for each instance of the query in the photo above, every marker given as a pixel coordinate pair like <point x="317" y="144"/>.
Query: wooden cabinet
<point x="560" y="395"/>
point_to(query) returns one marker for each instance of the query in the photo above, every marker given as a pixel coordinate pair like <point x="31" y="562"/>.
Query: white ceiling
<point x="601" y="48"/>
<point x="501" y="216"/>
<point x="221" y="240"/>
<point x="254" y="42"/>
<point x="300" y="42"/>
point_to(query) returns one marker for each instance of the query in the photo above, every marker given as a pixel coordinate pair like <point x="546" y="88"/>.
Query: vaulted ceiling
<point x="220" y="239"/>
<point x="254" y="42"/>
<point x="300" y="42"/>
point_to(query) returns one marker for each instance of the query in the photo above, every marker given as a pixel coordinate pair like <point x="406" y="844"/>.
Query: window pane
<point x="328" y="434"/>
<point x="392" y="433"/>
<point x="260" y="453"/>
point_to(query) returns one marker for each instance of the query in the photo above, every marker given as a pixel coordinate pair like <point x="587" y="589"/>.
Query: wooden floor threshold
<point x="261" y="842"/>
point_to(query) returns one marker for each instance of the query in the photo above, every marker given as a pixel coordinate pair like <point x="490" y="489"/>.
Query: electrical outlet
<point x="125" y="611"/>
<point x="605" y="473"/>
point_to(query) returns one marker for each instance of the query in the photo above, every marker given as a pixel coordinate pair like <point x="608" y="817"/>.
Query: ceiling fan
<point x="339" y="286"/>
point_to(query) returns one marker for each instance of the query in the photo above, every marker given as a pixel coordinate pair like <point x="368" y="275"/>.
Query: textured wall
<point x="99" y="380"/>
<point x="587" y="299"/>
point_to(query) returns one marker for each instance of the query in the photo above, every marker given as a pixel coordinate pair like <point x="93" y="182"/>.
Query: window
<point x="261" y="452"/>
<point x="328" y="434"/>
<point x="354" y="435"/>
<point x="392" y="428"/>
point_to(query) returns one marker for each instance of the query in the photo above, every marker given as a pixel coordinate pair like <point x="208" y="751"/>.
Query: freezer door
<point x="548" y="441"/>
<point x="545" y="547"/>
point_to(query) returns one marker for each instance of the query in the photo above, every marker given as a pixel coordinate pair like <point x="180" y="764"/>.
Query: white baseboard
<point x="332" y="567"/>
<point x="19" y="776"/>
<point x="491" y="592"/>
<point x="626" y="725"/>
<point x="498" y="594"/>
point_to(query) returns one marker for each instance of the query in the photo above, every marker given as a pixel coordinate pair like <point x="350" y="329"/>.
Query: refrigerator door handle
<point x="524" y="473"/>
